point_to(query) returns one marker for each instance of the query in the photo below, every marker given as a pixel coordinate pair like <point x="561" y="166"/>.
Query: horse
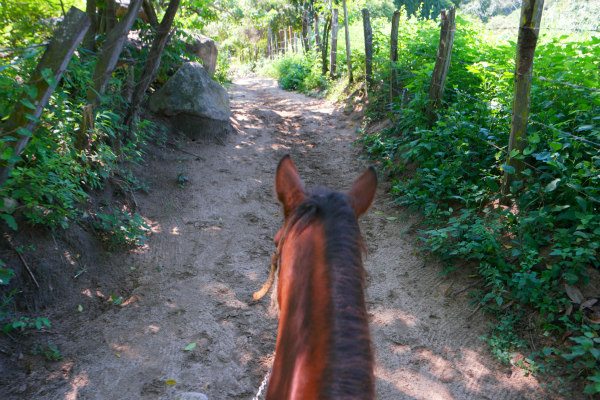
<point x="323" y="347"/>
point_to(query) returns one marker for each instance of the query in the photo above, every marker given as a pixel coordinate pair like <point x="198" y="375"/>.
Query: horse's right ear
<point x="288" y="185"/>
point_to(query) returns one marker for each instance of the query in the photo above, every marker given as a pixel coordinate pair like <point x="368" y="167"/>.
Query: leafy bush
<point x="292" y="71"/>
<point x="121" y="228"/>
<point x="546" y="232"/>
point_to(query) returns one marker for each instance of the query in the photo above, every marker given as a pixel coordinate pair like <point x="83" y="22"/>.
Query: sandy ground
<point x="210" y="250"/>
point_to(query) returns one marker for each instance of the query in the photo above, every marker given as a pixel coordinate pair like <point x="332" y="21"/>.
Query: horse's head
<point x="291" y="192"/>
<point x="323" y="343"/>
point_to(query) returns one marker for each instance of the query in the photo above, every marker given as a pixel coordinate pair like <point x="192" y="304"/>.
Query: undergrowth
<point x="535" y="249"/>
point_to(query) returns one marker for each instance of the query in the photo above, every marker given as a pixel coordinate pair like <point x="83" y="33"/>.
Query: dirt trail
<point x="210" y="251"/>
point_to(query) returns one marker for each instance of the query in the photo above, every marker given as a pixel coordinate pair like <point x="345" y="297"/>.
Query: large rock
<point x="197" y="105"/>
<point x="205" y="48"/>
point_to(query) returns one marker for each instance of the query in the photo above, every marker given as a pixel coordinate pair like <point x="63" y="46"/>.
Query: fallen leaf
<point x="190" y="347"/>
<point x="391" y="218"/>
<point x="170" y="382"/>
<point x="574" y="294"/>
<point x="80" y="308"/>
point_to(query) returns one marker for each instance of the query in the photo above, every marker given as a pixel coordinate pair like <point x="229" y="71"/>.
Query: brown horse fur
<point x="323" y="348"/>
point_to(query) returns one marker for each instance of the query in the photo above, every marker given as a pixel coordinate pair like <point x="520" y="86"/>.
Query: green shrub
<point x="549" y="235"/>
<point x="121" y="228"/>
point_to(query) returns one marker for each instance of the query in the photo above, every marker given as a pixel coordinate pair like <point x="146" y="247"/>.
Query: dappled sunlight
<point x="154" y="329"/>
<point x="384" y="317"/>
<point x="226" y="295"/>
<point x="121" y="350"/>
<point x="69" y="257"/>
<point x="80" y="381"/>
<point x="414" y="384"/>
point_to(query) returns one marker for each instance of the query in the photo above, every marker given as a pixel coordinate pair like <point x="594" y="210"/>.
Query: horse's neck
<point x="315" y="347"/>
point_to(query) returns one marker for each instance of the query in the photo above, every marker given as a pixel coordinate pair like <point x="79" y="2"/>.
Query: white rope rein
<point x="262" y="386"/>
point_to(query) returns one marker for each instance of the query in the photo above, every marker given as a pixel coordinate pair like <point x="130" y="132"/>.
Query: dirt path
<point x="210" y="251"/>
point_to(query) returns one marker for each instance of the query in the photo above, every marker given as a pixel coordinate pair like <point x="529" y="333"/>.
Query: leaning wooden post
<point x="529" y="29"/>
<point x="25" y="117"/>
<point x="334" y="35"/>
<point x="348" y="50"/>
<point x="394" y="56"/>
<point x="368" y="47"/>
<point x="442" y="63"/>
<point x="152" y="62"/>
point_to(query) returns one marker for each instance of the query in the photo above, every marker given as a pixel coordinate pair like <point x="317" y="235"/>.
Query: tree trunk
<point x="25" y="117"/>
<point x="150" y="13"/>
<point x="89" y="42"/>
<point x="334" y="36"/>
<point x="317" y="33"/>
<point x="325" y="45"/>
<point x="153" y="61"/>
<point x="110" y="14"/>
<point x="113" y="45"/>
<point x="348" y="50"/>
<point x="442" y="63"/>
<point x="394" y="91"/>
<point x="305" y="42"/>
<point x="529" y="29"/>
<point x="368" y="32"/>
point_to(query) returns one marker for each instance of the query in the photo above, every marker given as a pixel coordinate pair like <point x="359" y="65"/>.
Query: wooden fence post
<point x="348" y="50"/>
<point x="23" y="120"/>
<point x="291" y="39"/>
<point x="334" y="36"/>
<point x="368" y="47"/>
<point x="442" y="63"/>
<point x="529" y="29"/>
<point x="394" y="56"/>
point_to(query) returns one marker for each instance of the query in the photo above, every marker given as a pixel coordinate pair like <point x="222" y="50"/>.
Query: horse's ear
<point x="363" y="191"/>
<point x="288" y="185"/>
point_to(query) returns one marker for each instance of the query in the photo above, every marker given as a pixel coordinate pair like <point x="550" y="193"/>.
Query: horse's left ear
<point x="363" y="191"/>
<point x="288" y="185"/>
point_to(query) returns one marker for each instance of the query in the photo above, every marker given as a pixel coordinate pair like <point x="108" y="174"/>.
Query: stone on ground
<point x="196" y="104"/>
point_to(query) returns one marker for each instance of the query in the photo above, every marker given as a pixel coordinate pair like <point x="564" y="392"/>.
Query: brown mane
<point x="350" y="360"/>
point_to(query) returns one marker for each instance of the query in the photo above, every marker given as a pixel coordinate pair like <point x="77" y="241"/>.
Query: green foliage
<point x="300" y="72"/>
<point x="549" y="233"/>
<point x="120" y="228"/>
<point x="50" y="351"/>
<point x="6" y="274"/>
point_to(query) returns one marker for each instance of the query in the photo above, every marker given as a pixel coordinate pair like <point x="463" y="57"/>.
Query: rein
<point x="275" y="263"/>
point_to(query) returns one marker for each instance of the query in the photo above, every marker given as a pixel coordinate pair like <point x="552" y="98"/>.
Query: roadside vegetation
<point x="535" y="247"/>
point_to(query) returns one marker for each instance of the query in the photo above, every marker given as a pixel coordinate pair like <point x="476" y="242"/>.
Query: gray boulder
<point x="197" y="105"/>
<point x="205" y="48"/>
